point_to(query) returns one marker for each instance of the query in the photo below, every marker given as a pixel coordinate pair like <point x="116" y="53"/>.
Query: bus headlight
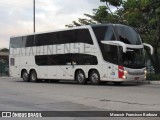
<point x="145" y="72"/>
<point x="125" y="72"/>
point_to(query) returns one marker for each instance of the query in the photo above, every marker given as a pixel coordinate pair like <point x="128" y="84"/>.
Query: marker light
<point x="145" y="77"/>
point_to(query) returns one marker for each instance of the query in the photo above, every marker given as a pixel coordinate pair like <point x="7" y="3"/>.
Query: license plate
<point x="136" y="78"/>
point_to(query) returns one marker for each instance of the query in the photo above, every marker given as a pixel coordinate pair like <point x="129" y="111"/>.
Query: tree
<point x="99" y="15"/>
<point x="102" y="14"/>
<point x="145" y="16"/>
<point x="141" y="14"/>
<point x="4" y="50"/>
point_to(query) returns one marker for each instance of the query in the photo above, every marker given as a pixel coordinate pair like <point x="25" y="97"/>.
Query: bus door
<point x="14" y="66"/>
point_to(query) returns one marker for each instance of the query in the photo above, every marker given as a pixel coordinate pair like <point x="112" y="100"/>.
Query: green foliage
<point x="152" y="76"/>
<point x="113" y="2"/>
<point x="4" y="50"/>
<point x="142" y="14"/>
<point x="158" y="11"/>
<point x="99" y="16"/>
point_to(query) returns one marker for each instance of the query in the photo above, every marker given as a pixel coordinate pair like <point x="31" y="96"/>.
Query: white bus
<point x="95" y="53"/>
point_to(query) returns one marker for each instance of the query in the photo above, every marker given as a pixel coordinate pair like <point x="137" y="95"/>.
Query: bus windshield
<point x="127" y="35"/>
<point x="133" y="58"/>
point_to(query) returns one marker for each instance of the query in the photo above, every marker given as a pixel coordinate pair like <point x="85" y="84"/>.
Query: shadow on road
<point x="125" y="84"/>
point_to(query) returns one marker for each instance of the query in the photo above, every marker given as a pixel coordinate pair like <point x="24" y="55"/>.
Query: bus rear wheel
<point x="94" y="77"/>
<point x="80" y="77"/>
<point x="33" y="76"/>
<point x="25" y="76"/>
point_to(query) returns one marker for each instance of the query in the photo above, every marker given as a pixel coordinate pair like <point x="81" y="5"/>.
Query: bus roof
<point x="72" y="28"/>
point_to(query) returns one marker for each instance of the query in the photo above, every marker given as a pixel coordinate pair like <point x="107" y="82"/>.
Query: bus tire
<point x="94" y="77"/>
<point x="80" y="77"/>
<point x="33" y="76"/>
<point x="25" y="76"/>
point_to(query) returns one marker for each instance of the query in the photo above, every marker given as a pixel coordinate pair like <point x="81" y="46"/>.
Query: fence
<point x="4" y="70"/>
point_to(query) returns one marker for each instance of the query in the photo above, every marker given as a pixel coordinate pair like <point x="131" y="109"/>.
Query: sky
<point x="16" y="16"/>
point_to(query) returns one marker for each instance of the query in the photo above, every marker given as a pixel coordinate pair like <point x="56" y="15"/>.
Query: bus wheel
<point x="33" y="76"/>
<point x="25" y="76"/>
<point x="80" y="77"/>
<point x="94" y="77"/>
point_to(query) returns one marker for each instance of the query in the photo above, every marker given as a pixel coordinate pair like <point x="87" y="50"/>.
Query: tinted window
<point x="134" y="58"/>
<point x="19" y="42"/>
<point x="75" y="36"/>
<point x="63" y="37"/>
<point x="16" y="42"/>
<point x="104" y="33"/>
<point x="83" y="36"/>
<point x="110" y="53"/>
<point x="64" y="59"/>
<point x="84" y="59"/>
<point x="46" y="39"/>
<point x="28" y="41"/>
<point x="67" y="37"/>
<point x="127" y="35"/>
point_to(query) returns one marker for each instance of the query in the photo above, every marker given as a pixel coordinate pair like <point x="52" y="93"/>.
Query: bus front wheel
<point x="94" y="77"/>
<point x="80" y="77"/>
<point x="33" y="76"/>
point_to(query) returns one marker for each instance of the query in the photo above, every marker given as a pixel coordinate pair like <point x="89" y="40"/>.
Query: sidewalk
<point x="150" y="82"/>
<point x="154" y="82"/>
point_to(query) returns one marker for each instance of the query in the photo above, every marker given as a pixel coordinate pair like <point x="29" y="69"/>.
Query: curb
<point x="154" y="82"/>
<point x="5" y="77"/>
<point x="146" y="82"/>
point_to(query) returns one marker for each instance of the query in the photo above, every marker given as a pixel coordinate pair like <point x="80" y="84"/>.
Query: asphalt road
<point x="16" y="95"/>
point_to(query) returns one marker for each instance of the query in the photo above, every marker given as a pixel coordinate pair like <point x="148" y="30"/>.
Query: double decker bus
<point x="95" y="53"/>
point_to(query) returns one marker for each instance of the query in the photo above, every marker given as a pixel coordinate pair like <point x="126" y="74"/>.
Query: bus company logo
<point x="20" y="114"/>
<point x="53" y="49"/>
<point x="6" y="114"/>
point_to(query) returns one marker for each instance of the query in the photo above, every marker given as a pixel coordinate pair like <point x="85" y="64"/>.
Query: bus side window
<point x="83" y="36"/>
<point x="66" y="37"/>
<point x="16" y="42"/>
<point x="12" y="61"/>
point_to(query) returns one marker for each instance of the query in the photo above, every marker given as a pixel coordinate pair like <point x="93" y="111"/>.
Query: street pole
<point x="34" y="28"/>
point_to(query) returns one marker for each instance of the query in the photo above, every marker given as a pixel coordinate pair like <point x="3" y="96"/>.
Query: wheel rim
<point x="94" y="77"/>
<point x="25" y="76"/>
<point x="34" y="76"/>
<point x="80" y="77"/>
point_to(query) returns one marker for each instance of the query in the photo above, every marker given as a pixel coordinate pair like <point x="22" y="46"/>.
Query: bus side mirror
<point x="151" y="48"/>
<point x="116" y="43"/>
